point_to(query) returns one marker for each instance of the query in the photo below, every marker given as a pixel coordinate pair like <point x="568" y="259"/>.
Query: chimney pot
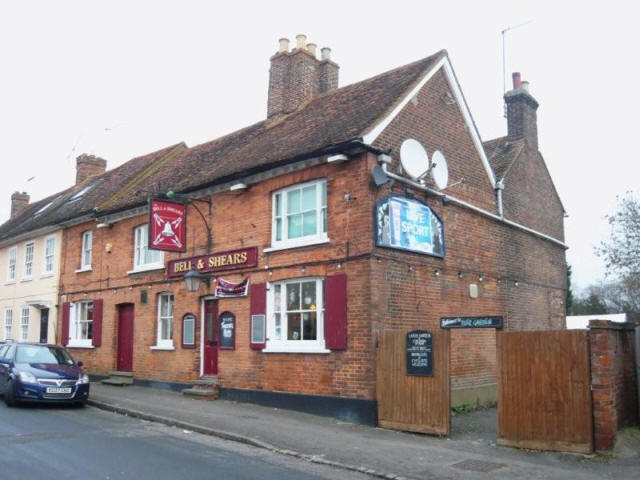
<point x="18" y="202"/>
<point x="284" y="45"/>
<point x="312" y="48"/>
<point x="516" y="80"/>
<point x="525" y="85"/>
<point x="301" y="41"/>
<point x="325" y="53"/>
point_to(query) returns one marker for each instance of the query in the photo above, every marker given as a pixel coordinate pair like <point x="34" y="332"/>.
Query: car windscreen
<point x="43" y="354"/>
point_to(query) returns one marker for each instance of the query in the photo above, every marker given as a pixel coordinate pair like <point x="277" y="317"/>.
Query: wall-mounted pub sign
<point x="471" y="322"/>
<point x="408" y="224"/>
<point x="167" y="226"/>
<point x="420" y="353"/>
<point x="215" y="262"/>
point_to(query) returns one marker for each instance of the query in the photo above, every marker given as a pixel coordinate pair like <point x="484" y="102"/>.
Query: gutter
<point x="461" y="203"/>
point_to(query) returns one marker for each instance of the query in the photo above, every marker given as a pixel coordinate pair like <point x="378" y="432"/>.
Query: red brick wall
<point x="613" y="379"/>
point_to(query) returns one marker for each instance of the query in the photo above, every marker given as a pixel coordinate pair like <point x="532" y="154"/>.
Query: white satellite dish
<point x="439" y="170"/>
<point x="414" y="158"/>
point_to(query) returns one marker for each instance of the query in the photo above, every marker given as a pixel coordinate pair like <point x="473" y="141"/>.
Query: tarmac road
<point x="45" y="442"/>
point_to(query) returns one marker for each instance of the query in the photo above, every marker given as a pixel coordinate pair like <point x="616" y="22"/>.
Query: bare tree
<point x="621" y="251"/>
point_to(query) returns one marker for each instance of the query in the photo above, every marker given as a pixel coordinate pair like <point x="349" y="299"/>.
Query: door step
<point x="205" y="388"/>
<point x="119" y="379"/>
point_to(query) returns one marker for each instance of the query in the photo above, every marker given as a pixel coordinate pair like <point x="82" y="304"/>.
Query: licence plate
<point x="58" y="390"/>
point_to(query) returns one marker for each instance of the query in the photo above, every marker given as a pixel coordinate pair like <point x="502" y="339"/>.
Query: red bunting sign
<point x="167" y="226"/>
<point x="225" y="288"/>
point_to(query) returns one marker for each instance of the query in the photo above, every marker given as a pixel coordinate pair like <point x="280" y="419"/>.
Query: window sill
<point x="47" y="275"/>
<point x="162" y="347"/>
<point x="84" y="269"/>
<point x="287" y="246"/>
<point x="80" y="345"/>
<point x="27" y="279"/>
<point x="315" y="349"/>
<point x="148" y="268"/>
<point x="10" y="282"/>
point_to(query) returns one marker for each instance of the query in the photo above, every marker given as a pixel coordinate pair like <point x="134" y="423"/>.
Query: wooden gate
<point x="544" y="397"/>
<point x="407" y="402"/>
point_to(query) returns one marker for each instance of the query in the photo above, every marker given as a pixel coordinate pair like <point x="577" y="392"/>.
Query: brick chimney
<point x="18" y="202"/>
<point x="89" y="166"/>
<point x="297" y="75"/>
<point x="522" y="119"/>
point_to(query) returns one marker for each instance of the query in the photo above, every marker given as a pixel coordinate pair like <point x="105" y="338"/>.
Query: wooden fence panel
<point x="413" y="403"/>
<point x="544" y="397"/>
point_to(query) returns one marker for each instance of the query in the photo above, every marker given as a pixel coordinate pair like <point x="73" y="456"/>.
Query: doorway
<point x="125" y="338"/>
<point x="44" y="325"/>
<point x="210" y="343"/>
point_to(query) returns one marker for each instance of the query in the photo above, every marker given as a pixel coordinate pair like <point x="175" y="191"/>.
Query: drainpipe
<point x="499" y="189"/>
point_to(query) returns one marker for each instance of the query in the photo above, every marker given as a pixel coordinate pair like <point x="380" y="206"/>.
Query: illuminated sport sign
<point x="407" y="224"/>
<point x="167" y="226"/>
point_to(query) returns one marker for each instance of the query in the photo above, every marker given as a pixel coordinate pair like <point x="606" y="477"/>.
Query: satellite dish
<point x="439" y="170"/>
<point x="414" y="158"/>
<point x="379" y="176"/>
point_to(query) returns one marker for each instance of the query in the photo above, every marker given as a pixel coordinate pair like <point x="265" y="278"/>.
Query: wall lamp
<point x="193" y="279"/>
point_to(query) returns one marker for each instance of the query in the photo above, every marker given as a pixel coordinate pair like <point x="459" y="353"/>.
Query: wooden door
<point x="210" y="344"/>
<point x="125" y="338"/>
<point x="410" y="402"/>
<point x="44" y="325"/>
<point x="544" y="397"/>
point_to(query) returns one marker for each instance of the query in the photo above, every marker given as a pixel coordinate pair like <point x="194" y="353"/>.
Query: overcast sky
<point x="121" y="79"/>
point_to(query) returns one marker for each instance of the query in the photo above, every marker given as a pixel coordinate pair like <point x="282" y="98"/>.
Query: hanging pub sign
<point x="471" y="322"/>
<point x="167" y="226"/>
<point x="420" y="353"/>
<point x="225" y="289"/>
<point x="214" y="262"/>
<point x="227" y="331"/>
<point x="407" y="224"/>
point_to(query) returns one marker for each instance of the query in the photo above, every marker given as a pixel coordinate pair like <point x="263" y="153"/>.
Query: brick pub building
<point x="290" y="205"/>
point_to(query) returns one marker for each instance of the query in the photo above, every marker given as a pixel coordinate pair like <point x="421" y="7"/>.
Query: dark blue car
<point x="41" y="373"/>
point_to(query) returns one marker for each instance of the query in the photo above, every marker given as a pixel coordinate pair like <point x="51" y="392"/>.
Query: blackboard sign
<point x="227" y="331"/>
<point x="471" y="322"/>
<point x="420" y="353"/>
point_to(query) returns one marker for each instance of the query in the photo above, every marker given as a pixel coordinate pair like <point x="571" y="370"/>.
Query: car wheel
<point x="9" y="395"/>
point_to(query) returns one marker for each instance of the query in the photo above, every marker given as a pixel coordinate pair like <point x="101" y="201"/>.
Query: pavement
<point x="470" y="452"/>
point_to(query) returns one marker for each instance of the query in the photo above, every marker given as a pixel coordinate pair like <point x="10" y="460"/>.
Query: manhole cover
<point x="478" y="466"/>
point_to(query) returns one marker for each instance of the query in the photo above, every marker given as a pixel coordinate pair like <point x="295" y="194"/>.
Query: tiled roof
<point x="328" y="120"/>
<point x="112" y="183"/>
<point x="502" y="153"/>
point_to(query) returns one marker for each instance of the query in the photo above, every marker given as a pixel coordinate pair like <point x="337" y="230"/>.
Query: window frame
<point x="24" y="323"/>
<point x="87" y="247"/>
<point x="321" y="209"/>
<point x="195" y="320"/>
<point x="163" y="343"/>
<point x="12" y="262"/>
<point x="75" y="310"/>
<point x="47" y="256"/>
<point x="140" y="245"/>
<point x="8" y="331"/>
<point x="28" y="265"/>
<point x="294" y="346"/>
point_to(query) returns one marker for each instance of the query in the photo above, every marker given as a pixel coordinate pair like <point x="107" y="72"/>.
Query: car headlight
<point x="27" y="377"/>
<point x="82" y="379"/>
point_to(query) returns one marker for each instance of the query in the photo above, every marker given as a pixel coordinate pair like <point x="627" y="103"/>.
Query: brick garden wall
<point x="613" y="379"/>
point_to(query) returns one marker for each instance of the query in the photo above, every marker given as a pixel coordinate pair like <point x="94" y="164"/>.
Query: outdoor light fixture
<point x="193" y="279"/>
<point x="459" y="274"/>
<point x="436" y="272"/>
<point x="481" y="277"/>
<point x="516" y="283"/>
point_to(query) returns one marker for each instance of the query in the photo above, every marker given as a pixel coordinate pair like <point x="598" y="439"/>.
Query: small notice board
<point x="227" y="331"/>
<point x="419" y="348"/>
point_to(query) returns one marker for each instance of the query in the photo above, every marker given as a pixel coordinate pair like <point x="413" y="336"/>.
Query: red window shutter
<point x="335" y="312"/>
<point x="64" y="334"/>
<point x="96" y="339"/>
<point x="258" y="292"/>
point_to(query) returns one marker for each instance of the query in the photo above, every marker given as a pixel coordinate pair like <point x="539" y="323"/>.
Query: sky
<point x="120" y="79"/>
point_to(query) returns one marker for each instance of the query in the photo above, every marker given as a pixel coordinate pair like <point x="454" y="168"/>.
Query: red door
<point x="125" y="337"/>
<point x="210" y="346"/>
